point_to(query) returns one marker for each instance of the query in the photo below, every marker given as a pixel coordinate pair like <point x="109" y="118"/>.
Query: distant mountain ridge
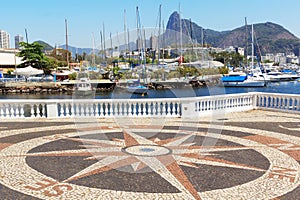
<point x="271" y="37"/>
<point x="79" y="51"/>
<point x="74" y="50"/>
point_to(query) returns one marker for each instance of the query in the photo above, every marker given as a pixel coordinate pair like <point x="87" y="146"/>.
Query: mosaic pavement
<point x="250" y="155"/>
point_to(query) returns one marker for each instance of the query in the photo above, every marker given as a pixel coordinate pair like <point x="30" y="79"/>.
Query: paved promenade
<point x="249" y="155"/>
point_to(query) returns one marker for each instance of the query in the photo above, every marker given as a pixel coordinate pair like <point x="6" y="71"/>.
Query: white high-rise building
<point x="18" y="39"/>
<point x="153" y="42"/>
<point x="4" y="40"/>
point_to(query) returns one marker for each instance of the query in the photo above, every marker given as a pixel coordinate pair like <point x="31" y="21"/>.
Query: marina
<point x="174" y="106"/>
<point x="183" y="90"/>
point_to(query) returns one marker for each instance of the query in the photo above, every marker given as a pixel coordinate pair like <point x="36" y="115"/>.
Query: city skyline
<point x="46" y="21"/>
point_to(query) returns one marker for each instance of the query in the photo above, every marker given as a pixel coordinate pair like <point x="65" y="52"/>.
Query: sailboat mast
<point x="103" y="27"/>
<point x="252" y="46"/>
<point x="111" y="46"/>
<point x="125" y="31"/>
<point x="128" y="39"/>
<point x="159" y="27"/>
<point x="67" y="48"/>
<point x="163" y="49"/>
<point x="180" y="27"/>
<point x="93" y="58"/>
<point x="246" y="39"/>
<point x="101" y="45"/>
<point x="139" y="35"/>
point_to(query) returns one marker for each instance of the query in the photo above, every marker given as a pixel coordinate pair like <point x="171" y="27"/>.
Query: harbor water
<point x="278" y="87"/>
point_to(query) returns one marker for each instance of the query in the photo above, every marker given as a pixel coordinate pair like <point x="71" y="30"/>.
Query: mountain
<point x="46" y="46"/>
<point x="74" y="50"/>
<point x="271" y="37"/>
<point x="80" y="51"/>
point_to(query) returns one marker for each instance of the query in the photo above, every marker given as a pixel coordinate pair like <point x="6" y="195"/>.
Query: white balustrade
<point x="272" y="101"/>
<point x="171" y="107"/>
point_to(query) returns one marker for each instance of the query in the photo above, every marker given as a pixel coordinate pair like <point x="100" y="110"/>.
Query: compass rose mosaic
<point x="248" y="161"/>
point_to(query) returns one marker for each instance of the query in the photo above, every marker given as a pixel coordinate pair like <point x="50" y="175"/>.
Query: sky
<point x="45" y="19"/>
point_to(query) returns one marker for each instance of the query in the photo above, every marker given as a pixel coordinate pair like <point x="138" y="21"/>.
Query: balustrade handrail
<point x="21" y="108"/>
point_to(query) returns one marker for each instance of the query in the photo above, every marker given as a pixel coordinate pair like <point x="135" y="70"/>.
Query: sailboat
<point x="135" y="86"/>
<point x="241" y="79"/>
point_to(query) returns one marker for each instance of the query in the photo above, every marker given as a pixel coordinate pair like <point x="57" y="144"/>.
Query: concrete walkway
<point x="249" y="155"/>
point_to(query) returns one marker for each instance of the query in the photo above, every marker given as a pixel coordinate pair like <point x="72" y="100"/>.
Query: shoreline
<point x="100" y="86"/>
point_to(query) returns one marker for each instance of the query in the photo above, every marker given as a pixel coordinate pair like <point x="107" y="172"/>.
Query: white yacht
<point x="241" y="79"/>
<point x="83" y="87"/>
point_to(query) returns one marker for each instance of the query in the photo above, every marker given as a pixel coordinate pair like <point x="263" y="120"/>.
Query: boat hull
<point x="83" y="92"/>
<point x="244" y="84"/>
<point x="137" y="89"/>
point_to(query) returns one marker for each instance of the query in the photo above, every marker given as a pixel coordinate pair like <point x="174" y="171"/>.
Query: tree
<point x="32" y="55"/>
<point x="228" y="58"/>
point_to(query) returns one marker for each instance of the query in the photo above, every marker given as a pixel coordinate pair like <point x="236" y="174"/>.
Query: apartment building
<point x="4" y="40"/>
<point x="18" y="39"/>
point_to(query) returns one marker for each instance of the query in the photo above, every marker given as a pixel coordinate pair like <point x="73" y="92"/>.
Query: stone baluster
<point x="1" y="111"/>
<point x="152" y="108"/>
<point x="100" y="111"/>
<point x="271" y="102"/>
<point x="145" y="109"/>
<point x="106" y="110"/>
<point x="16" y="113"/>
<point x="43" y="110"/>
<point x="67" y="109"/>
<point x="200" y="106"/>
<point x="293" y="103"/>
<point x="156" y="108"/>
<point x="74" y="109"/>
<point x="80" y="109"/>
<point x="137" y="109"/>
<point x="123" y="109"/>
<point x="11" y="111"/>
<point x="32" y="110"/>
<point x="96" y="109"/>
<point x="22" y="112"/>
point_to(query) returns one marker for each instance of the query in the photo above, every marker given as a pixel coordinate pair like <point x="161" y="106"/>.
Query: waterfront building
<point x="18" y="39"/>
<point x="280" y="58"/>
<point x="4" y="40"/>
<point x="268" y="57"/>
<point x="292" y="58"/>
<point x="9" y="60"/>
<point x="239" y="50"/>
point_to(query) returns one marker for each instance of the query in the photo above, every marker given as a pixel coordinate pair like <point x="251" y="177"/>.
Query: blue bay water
<point x="282" y="87"/>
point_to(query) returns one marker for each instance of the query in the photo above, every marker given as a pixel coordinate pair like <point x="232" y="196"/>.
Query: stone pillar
<point x="52" y="111"/>
<point x="188" y="110"/>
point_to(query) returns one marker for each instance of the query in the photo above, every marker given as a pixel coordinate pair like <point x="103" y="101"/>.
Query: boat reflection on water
<point x="83" y="88"/>
<point x="135" y="87"/>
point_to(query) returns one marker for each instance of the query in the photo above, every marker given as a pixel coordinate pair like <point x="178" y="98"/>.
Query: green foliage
<point x="9" y="72"/>
<point x="187" y="70"/>
<point x="208" y="71"/>
<point x="32" y="55"/>
<point x="223" y="70"/>
<point x="72" y="76"/>
<point x="228" y="58"/>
